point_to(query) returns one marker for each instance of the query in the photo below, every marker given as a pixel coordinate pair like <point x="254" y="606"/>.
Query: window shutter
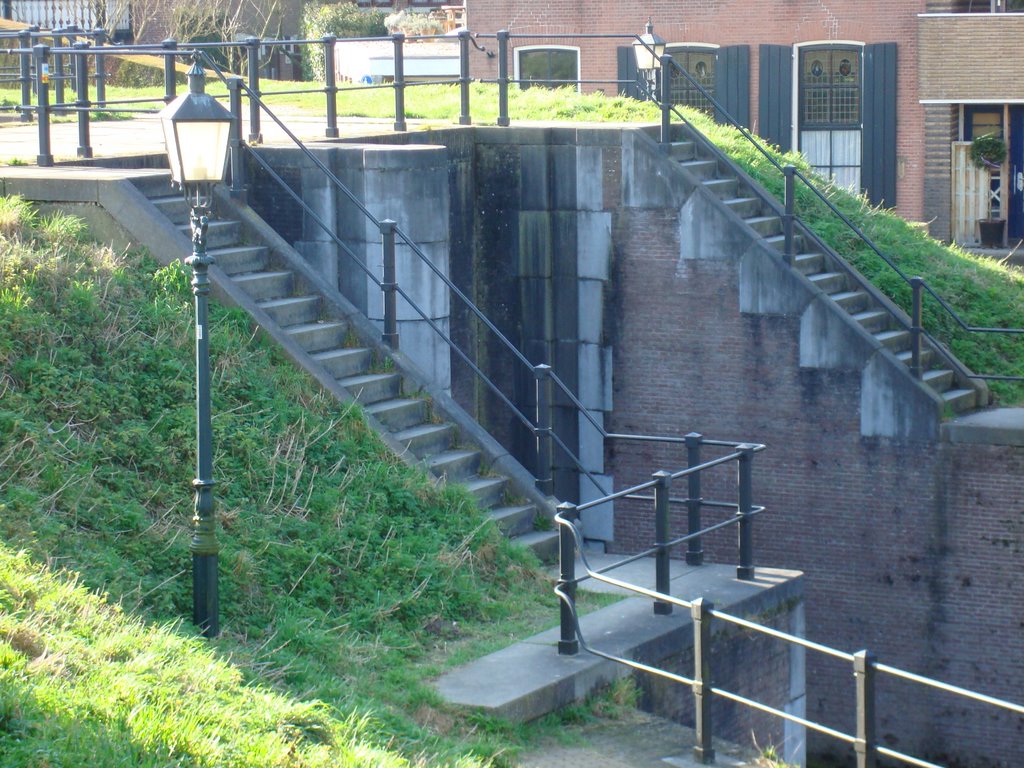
<point x="732" y="83"/>
<point x="878" y="166"/>
<point x="775" y="95"/>
<point x="627" y="72"/>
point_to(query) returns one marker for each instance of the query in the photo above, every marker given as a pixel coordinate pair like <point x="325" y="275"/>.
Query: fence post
<point x="58" y="67"/>
<point x="25" y="75"/>
<point x="390" y="283"/>
<point x="503" y="120"/>
<point x="916" y="330"/>
<point x="399" y="40"/>
<point x="464" y="118"/>
<point x="40" y="54"/>
<point x="662" y="563"/>
<point x="568" y="643"/>
<point x="700" y="612"/>
<point x="545" y="483"/>
<point x="100" y="37"/>
<point x="252" y="46"/>
<point x="745" y="471"/>
<point x="170" y="81"/>
<point x="864" y="672"/>
<point x="694" y="502"/>
<point x="330" y="87"/>
<point x="666" y="101"/>
<point x="237" y="144"/>
<point x="790" y="214"/>
<point x="82" y="102"/>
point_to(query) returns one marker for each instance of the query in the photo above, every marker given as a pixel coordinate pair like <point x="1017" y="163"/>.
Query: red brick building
<point x="882" y="96"/>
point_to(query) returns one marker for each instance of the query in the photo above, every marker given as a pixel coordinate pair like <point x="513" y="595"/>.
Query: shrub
<point x="988" y="151"/>
<point x="413" y="23"/>
<point x="340" y="20"/>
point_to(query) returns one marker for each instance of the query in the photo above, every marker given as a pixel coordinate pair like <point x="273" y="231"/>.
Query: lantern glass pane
<point x="171" y="143"/>
<point x="203" y="148"/>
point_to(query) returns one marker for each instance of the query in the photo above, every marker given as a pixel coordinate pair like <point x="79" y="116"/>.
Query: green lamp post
<point x="196" y="130"/>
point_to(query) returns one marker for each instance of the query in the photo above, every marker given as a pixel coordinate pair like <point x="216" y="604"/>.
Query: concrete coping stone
<point x="999" y="426"/>
<point x="529" y="679"/>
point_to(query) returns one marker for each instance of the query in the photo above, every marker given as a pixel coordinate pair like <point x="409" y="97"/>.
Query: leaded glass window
<point x="700" y="63"/>
<point x="830" y="87"/>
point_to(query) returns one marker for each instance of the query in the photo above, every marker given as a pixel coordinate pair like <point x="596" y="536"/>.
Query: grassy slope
<point x="342" y="571"/>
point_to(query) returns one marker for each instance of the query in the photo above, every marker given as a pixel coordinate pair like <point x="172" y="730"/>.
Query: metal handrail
<point x="573" y="639"/>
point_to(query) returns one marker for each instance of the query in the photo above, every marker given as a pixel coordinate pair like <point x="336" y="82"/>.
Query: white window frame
<point x="574" y="48"/>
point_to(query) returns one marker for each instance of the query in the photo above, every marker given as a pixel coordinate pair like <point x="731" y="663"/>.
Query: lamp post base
<point x="205" y="597"/>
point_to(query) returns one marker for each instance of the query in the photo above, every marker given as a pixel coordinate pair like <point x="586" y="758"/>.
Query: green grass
<point x="347" y="578"/>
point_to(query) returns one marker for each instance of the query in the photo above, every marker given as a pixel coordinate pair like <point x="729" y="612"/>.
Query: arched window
<point x="830" y="90"/>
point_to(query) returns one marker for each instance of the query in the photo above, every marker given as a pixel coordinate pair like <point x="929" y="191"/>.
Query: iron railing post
<point x="745" y="471"/>
<point x="916" y="329"/>
<point x="666" y="101"/>
<point x="331" y="87"/>
<point x="788" y="217"/>
<point x="237" y="188"/>
<point x="389" y="285"/>
<point x="865" y="745"/>
<point x="25" y="74"/>
<point x="701" y="612"/>
<point x="100" y="40"/>
<point x="170" y="79"/>
<point x="399" y="40"/>
<point x="662" y="563"/>
<point x="568" y="643"/>
<point x="252" y="47"/>
<point x="503" y="120"/>
<point x="694" y="502"/>
<point x="40" y="55"/>
<point x="82" y="100"/>
<point x="464" y="118"/>
<point x="545" y="483"/>
<point x="58" y="67"/>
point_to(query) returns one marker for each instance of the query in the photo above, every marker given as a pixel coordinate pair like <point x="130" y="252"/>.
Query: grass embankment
<point x="344" y="573"/>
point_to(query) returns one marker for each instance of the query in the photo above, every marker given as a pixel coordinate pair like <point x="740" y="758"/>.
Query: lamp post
<point x="648" y="50"/>
<point x="196" y="130"/>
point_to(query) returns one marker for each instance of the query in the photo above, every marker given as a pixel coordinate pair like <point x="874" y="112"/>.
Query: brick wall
<point x="911" y="548"/>
<point x="942" y="126"/>
<point x="730" y="22"/>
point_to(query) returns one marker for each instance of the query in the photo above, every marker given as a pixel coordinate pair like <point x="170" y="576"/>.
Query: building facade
<point x="882" y="97"/>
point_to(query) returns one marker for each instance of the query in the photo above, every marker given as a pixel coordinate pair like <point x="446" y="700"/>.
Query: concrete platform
<point x="528" y="680"/>
<point x="999" y="426"/>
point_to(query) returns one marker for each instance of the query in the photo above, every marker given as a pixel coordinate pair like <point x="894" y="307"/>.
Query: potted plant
<point x="988" y="152"/>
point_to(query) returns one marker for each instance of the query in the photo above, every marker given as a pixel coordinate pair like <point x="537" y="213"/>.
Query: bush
<point x="340" y="20"/>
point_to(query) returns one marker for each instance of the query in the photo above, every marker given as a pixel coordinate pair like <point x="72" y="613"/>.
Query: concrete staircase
<point x="408" y="418"/>
<point x="959" y="393"/>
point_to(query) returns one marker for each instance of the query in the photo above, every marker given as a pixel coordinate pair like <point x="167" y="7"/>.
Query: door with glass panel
<point x="830" y="90"/>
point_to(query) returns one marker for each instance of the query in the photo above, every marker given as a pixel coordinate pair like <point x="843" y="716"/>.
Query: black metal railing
<point x="866" y="668"/>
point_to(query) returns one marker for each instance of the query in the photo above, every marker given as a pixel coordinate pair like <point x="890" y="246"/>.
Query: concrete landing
<point x="998" y="426"/>
<point x="636" y="740"/>
<point x="529" y="679"/>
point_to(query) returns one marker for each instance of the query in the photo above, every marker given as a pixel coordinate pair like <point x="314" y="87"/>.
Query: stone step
<point x="744" y="207"/>
<point x="809" y="263"/>
<point x="488" y="491"/>
<point x="765" y="225"/>
<point x="851" y="301"/>
<point x="219" y="233"/>
<point x="400" y="413"/>
<point x="156" y="185"/>
<point x="262" y="286"/>
<point x="174" y="207"/>
<point x="960" y="400"/>
<point x="872" y="320"/>
<point x="702" y="169"/>
<point x="543" y="543"/>
<point x="344" y="361"/>
<point x="240" y="259"/>
<point x="722" y="188"/>
<point x="829" y="282"/>
<point x="939" y="379"/>
<point x="906" y="355"/>
<point x="454" y="465"/>
<point x="292" y="310"/>
<point x="371" y="388"/>
<point x="425" y="439"/>
<point x="316" y="337"/>
<point x="515" y="520"/>
<point x="682" y="150"/>
<point x="894" y="340"/>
